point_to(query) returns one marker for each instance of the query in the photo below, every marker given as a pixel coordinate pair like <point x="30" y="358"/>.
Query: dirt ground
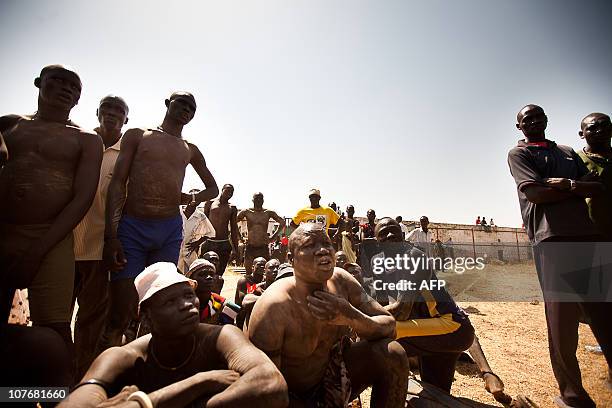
<point x="512" y="334"/>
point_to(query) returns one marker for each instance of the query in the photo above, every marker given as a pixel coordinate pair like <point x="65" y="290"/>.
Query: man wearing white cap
<point x="316" y="213"/>
<point x="182" y="361"/>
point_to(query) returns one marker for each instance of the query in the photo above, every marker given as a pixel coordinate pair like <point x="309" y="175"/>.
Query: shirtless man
<point x="353" y="268"/>
<point x="143" y="223"/>
<point x="222" y="215"/>
<point x="301" y="323"/>
<point x="248" y="284"/>
<point x="258" y="219"/>
<point x="182" y="361"/>
<point x="213" y="258"/>
<point x="46" y="188"/>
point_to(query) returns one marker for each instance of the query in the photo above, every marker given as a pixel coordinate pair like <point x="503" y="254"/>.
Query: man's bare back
<point x="157" y="173"/>
<point x="42" y="167"/>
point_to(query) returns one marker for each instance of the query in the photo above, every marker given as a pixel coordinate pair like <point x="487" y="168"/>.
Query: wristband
<point x="94" y="382"/>
<point x="142" y="399"/>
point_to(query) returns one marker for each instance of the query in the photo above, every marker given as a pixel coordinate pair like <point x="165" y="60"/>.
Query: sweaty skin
<point x="222" y="216"/>
<point x="52" y="175"/>
<point x="297" y="321"/>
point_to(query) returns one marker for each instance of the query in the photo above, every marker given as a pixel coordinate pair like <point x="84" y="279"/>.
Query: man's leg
<point x="562" y="322"/>
<point x="383" y="365"/>
<point x="249" y="256"/>
<point x="224" y="250"/>
<point x="122" y="308"/>
<point x="93" y="301"/>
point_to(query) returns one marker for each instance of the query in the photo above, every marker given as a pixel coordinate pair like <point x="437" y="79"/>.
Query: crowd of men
<point x="145" y="263"/>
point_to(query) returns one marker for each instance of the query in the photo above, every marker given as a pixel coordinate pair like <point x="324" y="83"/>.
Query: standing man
<point x="552" y="183"/>
<point x="324" y="216"/>
<point x="421" y="236"/>
<point x="258" y="219"/>
<point x="196" y="229"/>
<point x="46" y="187"/>
<point x="596" y="130"/>
<point x="222" y="215"/>
<point x="404" y="228"/>
<point x="367" y="230"/>
<point x="143" y="223"/>
<point x="91" y="277"/>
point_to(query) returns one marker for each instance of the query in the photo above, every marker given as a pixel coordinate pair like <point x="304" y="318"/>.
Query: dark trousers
<point x="438" y="354"/>
<point x="91" y="292"/>
<point x="562" y="320"/>
<point x="223" y="248"/>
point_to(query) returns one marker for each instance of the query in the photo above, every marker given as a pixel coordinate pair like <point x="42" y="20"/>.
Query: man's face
<point x="258" y="201"/>
<point x="112" y="115"/>
<point x="341" y="259"/>
<point x="227" y="192"/>
<point x="350" y="211"/>
<point x="371" y="216"/>
<point x="314" y="200"/>
<point x="206" y="278"/>
<point x="213" y="258"/>
<point x="181" y="109"/>
<point x="259" y="265"/>
<point x="271" y="269"/>
<point x="314" y="255"/>
<point x="388" y="231"/>
<point x="174" y="311"/>
<point x="60" y="88"/>
<point x="424" y="223"/>
<point x="532" y="121"/>
<point x="596" y="130"/>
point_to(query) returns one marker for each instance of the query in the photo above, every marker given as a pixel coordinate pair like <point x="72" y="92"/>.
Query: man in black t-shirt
<point x="552" y="183"/>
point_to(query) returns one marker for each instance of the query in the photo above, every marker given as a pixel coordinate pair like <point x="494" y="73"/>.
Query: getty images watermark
<point x="404" y="272"/>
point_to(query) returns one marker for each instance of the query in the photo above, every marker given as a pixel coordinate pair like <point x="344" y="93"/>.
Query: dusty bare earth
<point x="512" y="335"/>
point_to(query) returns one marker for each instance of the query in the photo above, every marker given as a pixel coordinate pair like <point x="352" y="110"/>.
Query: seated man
<point x="354" y="269"/>
<point x="270" y="269"/>
<point x="301" y="322"/>
<point x="213" y="258"/>
<point x="182" y="361"/>
<point x="214" y="308"/>
<point x="248" y="284"/>
<point x="429" y="323"/>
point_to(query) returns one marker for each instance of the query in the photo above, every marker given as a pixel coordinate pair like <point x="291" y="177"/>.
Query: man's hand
<point x="218" y="380"/>
<point x="331" y="308"/>
<point x="113" y="255"/>
<point x="120" y="400"/>
<point x="562" y="184"/>
<point x="399" y="310"/>
<point x="22" y="272"/>
<point x="195" y="245"/>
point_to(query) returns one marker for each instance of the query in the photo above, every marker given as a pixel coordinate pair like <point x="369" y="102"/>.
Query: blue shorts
<point x="146" y="242"/>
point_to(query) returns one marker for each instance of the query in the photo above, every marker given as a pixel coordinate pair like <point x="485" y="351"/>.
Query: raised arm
<point x="260" y="383"/>
<point x="198" y="163"/>
<point x="234" y="231"/>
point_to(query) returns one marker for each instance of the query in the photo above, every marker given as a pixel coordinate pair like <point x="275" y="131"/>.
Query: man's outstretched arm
<point x="260" y="383"/>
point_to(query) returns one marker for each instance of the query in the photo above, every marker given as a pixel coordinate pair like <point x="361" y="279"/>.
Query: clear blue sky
<point x="405" y="107"/>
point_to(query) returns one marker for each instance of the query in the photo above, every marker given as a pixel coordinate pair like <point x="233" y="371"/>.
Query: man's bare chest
<point x="163" y="149"/>
<point x="37" y="142"/>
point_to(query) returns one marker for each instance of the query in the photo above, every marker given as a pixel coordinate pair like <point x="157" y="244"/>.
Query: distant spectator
<point x="402" y="226"/>
<point x="492" y="223"/>
<point x="451" y="249"/>
<point x="483" y="222"/>
<point x="478" y="220"/>
<point x="421" y="237"/>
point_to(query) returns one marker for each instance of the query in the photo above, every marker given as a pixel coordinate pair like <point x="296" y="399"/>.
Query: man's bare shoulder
<point x="8" y="122"/>
<point x="277" y="295"/>
<point x="343" y="282"/>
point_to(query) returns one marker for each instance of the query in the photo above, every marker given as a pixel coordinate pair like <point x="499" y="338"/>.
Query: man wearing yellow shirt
<point x="317" y="214"/>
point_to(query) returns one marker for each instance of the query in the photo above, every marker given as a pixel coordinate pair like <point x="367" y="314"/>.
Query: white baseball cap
<point x="198" y="263"/>
<point x="156" y="277"/>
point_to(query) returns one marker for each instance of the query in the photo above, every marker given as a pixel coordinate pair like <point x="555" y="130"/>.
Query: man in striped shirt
<point x="91" y="278"/>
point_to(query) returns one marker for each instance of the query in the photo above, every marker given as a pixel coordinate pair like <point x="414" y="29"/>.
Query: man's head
<point x="424" y="221"/>
<point x="398" y="219"/>
<point x="388" y="230"/>
<point x="314" y="195"/>
<point x="371" y="214"/>
<point x="596" y="130"/>
<point x="311" y="253"/>
<point x="258" y="200"/>
<point x="227" y="191"/>
<point x="341" y="259"/>
<point x="213" y="258"/>
<point x="167" y="301"/>
<point x="59" y="86"/>
<point x="532" y="121"/>
<point x="333" y="206"/>
<point x="350" y="211"/>
<point x="181" y="107"/>
<point x="259" y="265"/>
<point x="112" y="113"/>
<point x="203" y="272"/>
<point x="271" y="269"/>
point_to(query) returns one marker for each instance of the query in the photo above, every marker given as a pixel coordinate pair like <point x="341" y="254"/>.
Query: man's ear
<point x="126" y="120"/>
<point x="37" y="82"/>
<point x="97" y="113"/>
<point x="167" y="102"/>
<point x="581" y="134"/>
<point x="518" y="126"/>
<point x="290" y="257"/>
